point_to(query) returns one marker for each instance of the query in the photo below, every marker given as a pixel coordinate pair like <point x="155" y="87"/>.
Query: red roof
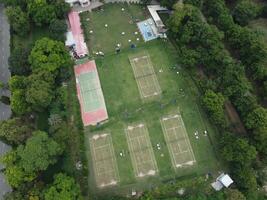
<point x="77" y="33"/>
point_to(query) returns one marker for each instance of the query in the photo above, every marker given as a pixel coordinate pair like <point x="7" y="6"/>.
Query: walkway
<point x="5" y="111"/>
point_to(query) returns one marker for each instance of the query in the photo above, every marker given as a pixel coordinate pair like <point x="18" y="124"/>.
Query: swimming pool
<point x="146" y="28"/>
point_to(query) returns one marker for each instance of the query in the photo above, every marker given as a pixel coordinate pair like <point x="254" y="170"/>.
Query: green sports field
<point x="127" y="110"/>
<point x="104" y="38"/>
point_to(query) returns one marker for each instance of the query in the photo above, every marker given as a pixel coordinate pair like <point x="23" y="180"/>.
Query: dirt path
<point x="234" y="118"/>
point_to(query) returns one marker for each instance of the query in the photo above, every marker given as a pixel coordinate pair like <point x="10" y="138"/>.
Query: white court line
<point x="141" y="87"/>
<point x="133" y="154"/>
<point x="167" y="138"/>
<point x="110" y="158"/>
<point x="187" y="139"/>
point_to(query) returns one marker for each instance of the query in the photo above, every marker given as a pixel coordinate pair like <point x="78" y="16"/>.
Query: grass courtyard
<point x="104" y="38"/>
<point x="125" y="107"/>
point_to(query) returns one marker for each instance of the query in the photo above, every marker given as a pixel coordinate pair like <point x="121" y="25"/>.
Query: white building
<point x="224" y="180"/>
<point x="153" y="10"/>
<point x="83" y="3"/>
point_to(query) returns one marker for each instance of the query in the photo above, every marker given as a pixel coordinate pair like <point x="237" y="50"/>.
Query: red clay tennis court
<point x="93" y="107"/>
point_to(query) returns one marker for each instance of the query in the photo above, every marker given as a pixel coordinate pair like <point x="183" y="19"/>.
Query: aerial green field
<point x="125" y="107"/>
<point x="104" y="38"/>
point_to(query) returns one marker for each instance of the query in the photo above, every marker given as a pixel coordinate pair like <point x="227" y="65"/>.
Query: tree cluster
<point x="36" y="91"/>
<point x="245" y="11"/>
<point x="21" y="13"/>
<point x="252" y="51"/>
<point x="201" y="45"/>
<point x="246" y="44"/>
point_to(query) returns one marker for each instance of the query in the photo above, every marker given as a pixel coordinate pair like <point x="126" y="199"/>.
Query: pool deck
<point x="148" y="29"/>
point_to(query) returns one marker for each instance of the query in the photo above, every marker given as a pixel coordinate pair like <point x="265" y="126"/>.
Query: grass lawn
<point x="104" y="38"/>
<point x="29" y="40"/>
<point x="125" y="107"/>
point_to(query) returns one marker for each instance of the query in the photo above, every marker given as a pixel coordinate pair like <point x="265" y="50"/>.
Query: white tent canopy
<point x="224" y="180"/>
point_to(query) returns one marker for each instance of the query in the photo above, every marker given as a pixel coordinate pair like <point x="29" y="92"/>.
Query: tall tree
<point x="61" y="8"/>
<point x="14" y="173"/>
<point x="257" y="118"/>
<point x="38" y="153"/>
<point x="63" y="188"/>
<point x="14" y="130"/>
<point x="245" y="11"/>
<point x="18" y="61"/>
<point x="57" y="30"/>
<point x="19" y="105"/>
<point x="237" y="150"/>
<point x="41" y="12"/>
<point x="49" y="55"/>
<point x="40" y="89"/>
<point x="18" y="20"/>
<point x="214" y="104"/>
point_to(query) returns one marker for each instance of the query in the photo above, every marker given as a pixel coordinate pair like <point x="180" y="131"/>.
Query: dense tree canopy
<point x="17" y="82"/>
<point x="41" y="12"/>
<point x="63" y="188"/>
<point x="14" y="3"/>
<point x="214" y="104"/>
<point x="237" y="150"/>
<point x="40" y="89"/>
<point x="14" y="130"/>
<point x="19" y="105"/>
<point x="24" y="163"/>
<point x="18" y="20"/>
<point x="245" y="11"/>
<point x="38" y="153"/>
<point x="49" y="55"/>
<point x="245" y="177"/>
<point x="257" y="118"/>
<point x="234" y="194"/>
<point x="57" y="29"/>
<point x="61" y="7"/>
<point x="14" y="172"/>
<point x="18" y="61"/>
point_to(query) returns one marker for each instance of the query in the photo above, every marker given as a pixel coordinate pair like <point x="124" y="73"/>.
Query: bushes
<point x="248" y="45"/>
<point x="253" y="52"/>
<point x="57" y="29"/>
<point x="202" y="45"/>
<point x="18" y="20"/>
<point x="214" y="104"/>
<point x="245" y="11"/>
<point x="18" y="61"/>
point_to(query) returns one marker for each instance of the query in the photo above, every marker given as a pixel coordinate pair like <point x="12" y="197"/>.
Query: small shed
<point x="224" y="180"/>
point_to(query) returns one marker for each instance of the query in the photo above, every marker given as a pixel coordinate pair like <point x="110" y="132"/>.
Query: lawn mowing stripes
<point x="141" y="152"/>
<point x="104" y="160"/>
<point x="177" y="141"/>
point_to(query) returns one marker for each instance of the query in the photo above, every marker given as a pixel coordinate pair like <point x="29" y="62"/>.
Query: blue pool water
<point x="146" y="30"/>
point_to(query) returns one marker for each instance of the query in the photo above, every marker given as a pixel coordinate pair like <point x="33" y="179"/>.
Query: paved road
<point x="4" y="187"/>
<point x="5" y="111"/>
